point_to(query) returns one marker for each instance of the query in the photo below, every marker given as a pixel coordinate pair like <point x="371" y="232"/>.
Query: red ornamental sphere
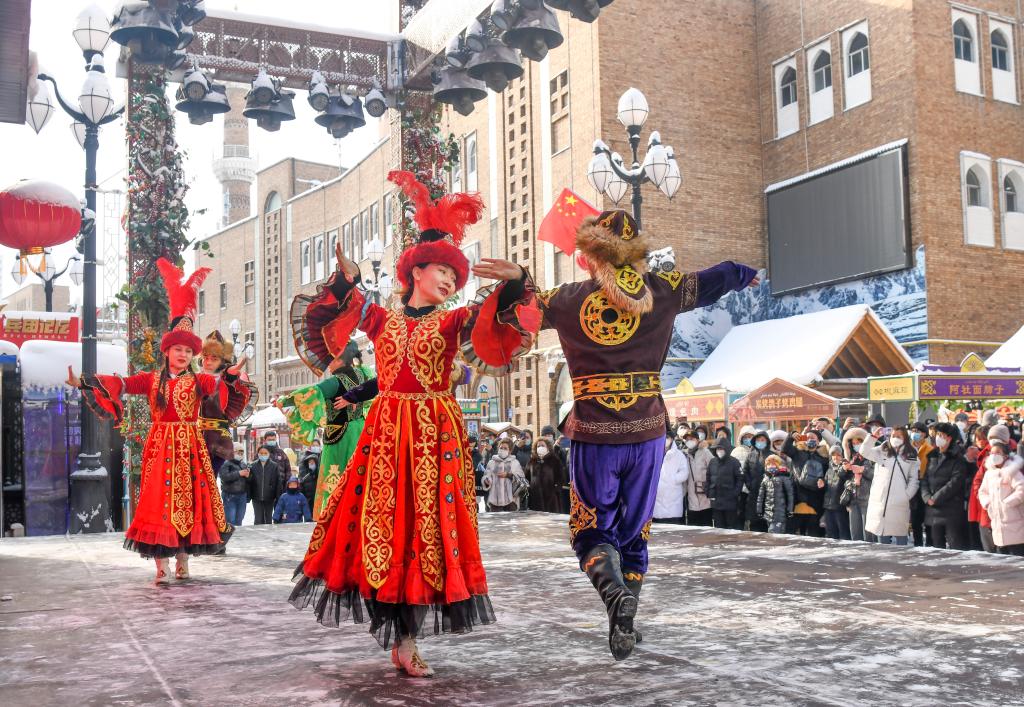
<point x="36" y="215"/>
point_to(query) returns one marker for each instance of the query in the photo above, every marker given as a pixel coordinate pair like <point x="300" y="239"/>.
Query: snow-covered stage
<point x="727" y="618"/>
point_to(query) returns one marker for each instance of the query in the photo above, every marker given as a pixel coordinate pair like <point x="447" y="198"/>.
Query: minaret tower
<point x="235" y="169"/>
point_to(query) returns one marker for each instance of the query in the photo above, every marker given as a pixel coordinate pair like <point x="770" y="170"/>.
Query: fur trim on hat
<point x="778" y="436"/>
<point x="441" y="252"/>
<point x="180" y="336"/>
<point x="600" y="245"/>
<point x="215" y="345"/>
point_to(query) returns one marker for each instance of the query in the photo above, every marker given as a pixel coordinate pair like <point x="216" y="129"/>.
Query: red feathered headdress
<point x="181" y="297"/>
<point x="442" y="225"/>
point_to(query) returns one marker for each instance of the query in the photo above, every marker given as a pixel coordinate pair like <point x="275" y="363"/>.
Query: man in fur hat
<point x="219" y="412"/>
<point x="615" y="331"/>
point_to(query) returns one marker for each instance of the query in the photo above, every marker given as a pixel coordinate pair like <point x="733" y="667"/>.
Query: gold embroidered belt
<point x="222" y="426"/>
<point x="617" y="391"/>
<point x="175" y="422"/>
<point x="430" y="395"/>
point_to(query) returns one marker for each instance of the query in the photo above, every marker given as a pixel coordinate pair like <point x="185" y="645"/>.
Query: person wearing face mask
<point x="234" y="485"/>
<point x="698" y="504"/>
<point x="920" y="440"/>
<point x="810" y="460"/>
<point x="942" y="489"/>
<point x="976" y="454"/>
<point x="976" y="513"/>
<point x="702" y="435"/>
<point x="895" y="483"/>
<point x="670" y="503"/>
<point x="279" y="457"/>
<point x="837" y="517"/>
<point x="740" y="453"/>
<point x="725" y="483"/>
<point x="1001" y="495"/>
<point x="292" y="507"/>
<point x="309" y="471"/>
<point x="858" y="488"/>
<point x="504" y="480"/>
<point x="264" y="485"/>
<point x="776" y="496"/>
<point x="547" y="476"/>
<point x="753" y="472"/>
<point x="963" y="422"/>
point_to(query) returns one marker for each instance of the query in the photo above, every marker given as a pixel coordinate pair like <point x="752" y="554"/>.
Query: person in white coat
<point x="1001" y="494"/>
<point x="698" y="504"/>
<point x="669" y="505"/>
<point x="895" y="484"/>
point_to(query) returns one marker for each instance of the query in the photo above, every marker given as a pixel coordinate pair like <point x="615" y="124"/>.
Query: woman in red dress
<point x="180" y="512"/>
<point x="399" y="532"/>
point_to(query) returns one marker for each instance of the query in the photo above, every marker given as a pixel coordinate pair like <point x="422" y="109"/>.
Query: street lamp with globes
<point x="381" y="286"/>
<point x="607" y="171"/>
<point x="47" y="272"/>
<point x="90" y="483"/>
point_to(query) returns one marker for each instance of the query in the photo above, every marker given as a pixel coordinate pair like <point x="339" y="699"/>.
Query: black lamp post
<point x="90" y="482"/>
<point x="609" y="175"/>
<point x="47" y="272"/>
<point x="381" y="287"/>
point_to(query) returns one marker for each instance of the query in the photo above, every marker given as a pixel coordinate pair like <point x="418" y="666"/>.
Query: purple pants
<point x="612" y="498"/>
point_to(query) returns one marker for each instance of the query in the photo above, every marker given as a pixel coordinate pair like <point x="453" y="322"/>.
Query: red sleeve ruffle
<point x="496" y="338"/>
<point x="103" y="395"/>
<point x="322" y="325"/>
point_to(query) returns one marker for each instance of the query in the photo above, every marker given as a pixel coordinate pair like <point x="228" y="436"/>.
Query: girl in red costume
<point x="399" y="532"/>
<point x="180" y="512"/>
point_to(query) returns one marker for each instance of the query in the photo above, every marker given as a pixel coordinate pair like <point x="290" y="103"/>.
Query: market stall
<point x="782" y="404"/>
<point x="947" y="386"/>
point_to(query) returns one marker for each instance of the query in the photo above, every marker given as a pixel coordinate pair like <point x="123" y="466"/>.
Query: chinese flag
<point x="559" y="226"/>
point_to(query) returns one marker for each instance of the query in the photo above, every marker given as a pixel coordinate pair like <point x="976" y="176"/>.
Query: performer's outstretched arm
<point x="718" y="280"/>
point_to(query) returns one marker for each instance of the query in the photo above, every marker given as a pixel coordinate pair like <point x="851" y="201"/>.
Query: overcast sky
<point x="55" y="156"/>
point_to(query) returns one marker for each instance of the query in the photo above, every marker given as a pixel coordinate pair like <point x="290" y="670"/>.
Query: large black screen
<point x="841" y="224"/>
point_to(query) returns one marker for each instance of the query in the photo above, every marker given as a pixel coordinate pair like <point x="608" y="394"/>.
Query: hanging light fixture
<point x="343" y="115"/>
<point x="95" y="99"/>
<point x="599" y="171"/>
<point x="458" y="89"/>
<point x="147" y="32"/>
<point x="534" y="32"/>
<point x="40" y="107"/>
<point x="78" y="130"/>
<point x="495" y="64"/>
<point x="319" y="94"/>
<point x="674" y="178"/>
<point x="616" y="188"/>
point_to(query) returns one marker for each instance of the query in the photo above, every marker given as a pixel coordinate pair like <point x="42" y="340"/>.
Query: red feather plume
<point x="181" y="293"/>
<point x="452" y="213"/>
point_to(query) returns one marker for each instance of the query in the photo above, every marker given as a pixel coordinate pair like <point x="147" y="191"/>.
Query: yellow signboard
<point x="892" y="389"/>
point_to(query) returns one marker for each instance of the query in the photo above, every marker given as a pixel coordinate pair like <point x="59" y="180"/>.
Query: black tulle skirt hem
<point x="389" y="622"/>
<point x="160" y="552"/>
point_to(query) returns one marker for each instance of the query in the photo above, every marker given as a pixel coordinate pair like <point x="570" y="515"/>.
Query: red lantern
<point x="35" y="215"/>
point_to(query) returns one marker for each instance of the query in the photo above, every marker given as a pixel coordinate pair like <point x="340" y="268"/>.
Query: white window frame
<point x="305" y="261"/>
<point x="248" y="269"/>
<point x="375" y="220"/>
<point x="472" y="253"/>
<point x="856" y="86"/>
<point x="978" y="220"/>
<point x="1004" y="81"/>
<point x="1011" y="223"/>
<point x="821" y="102"/>
<point x="787" y="117"/>
<point x="389" y="206"/>
<point x="966" y="73"/>
<point x="319" y="258"/>
<point x="223" y="291"/>
<point x="472" y="164"/>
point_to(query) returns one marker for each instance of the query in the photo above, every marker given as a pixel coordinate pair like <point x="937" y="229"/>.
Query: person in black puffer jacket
<point x="753" y="472"/>
<point x="234" y="486"/>
<point x="837" y="518"/>
<point x="942" y="489"/>
<point x="776" y="496"/>
<point x="725" y="483"/>
<point x="810" y="460"/>
<point x="309" y="472"/>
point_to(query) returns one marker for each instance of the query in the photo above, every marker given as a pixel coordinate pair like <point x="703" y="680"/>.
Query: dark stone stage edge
<point x="727" y="617"/>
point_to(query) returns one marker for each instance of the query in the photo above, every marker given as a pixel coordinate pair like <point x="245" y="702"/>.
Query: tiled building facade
<point x="750" y="93"/>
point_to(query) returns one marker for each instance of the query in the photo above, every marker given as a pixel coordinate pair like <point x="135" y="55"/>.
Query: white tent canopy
<point x="800" y="349"/>
<point x="267" y="417"/>
<point x="1010" y="354"/>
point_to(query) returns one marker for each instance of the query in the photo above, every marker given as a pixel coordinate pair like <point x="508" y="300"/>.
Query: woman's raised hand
<point x="73" y="380"/>
<point x="237" y="368"/>
<point x="345" y="264"/>
<point x="496" y="269"/>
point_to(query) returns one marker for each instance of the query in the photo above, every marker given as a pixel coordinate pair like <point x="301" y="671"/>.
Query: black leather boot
<point x="602" y="566"/>
<point x="635" y="582"/>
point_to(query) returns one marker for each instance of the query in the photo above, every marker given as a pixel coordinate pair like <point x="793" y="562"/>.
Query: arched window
<point x="1000" y="51"/>
<point x="963" y="42"/>
<point x="1010" y="202"/>
<point x="273" y="202"/>
<point x="787" y="87"/>
<point x="858" y="55"/>
<point x="822" y="71"/>
<point x="974" y="193"/>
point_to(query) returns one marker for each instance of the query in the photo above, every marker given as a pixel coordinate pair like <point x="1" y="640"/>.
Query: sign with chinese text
<point x="897" y="388"/>
<point x="698" y="407"/>
<point x="19" y="327"/>
<point x="782" y="400"/>
<point x="969" y="387"/>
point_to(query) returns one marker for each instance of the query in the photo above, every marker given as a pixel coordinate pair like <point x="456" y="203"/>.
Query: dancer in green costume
<point x="338" y="404"/>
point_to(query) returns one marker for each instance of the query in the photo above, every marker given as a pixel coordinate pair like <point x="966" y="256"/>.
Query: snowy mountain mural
<point x="899" y="299"/>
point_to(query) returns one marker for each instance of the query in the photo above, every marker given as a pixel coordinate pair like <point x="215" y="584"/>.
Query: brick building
<point x="761" y="99"/>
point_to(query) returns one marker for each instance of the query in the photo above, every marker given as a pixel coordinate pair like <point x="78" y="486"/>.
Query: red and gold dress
<point x="400" y="528"/>
<point x="180" y="508"/>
